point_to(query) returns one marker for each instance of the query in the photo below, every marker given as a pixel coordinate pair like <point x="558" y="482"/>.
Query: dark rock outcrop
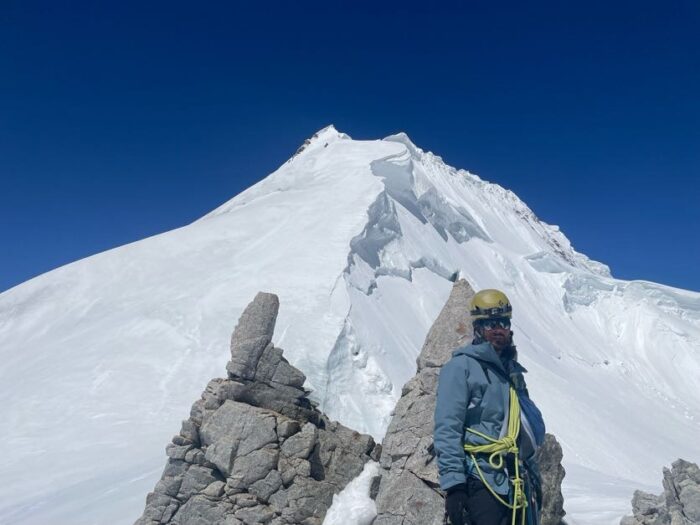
<point x="549" y="458"/>
<point x="407" y="492"/>
<point x="254" y="449"/>
<point x="679" y="504"/>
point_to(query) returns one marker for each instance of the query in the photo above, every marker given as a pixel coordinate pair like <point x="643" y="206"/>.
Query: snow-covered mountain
<point x="102" y="358"/>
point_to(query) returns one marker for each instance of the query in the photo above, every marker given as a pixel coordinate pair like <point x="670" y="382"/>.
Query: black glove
<point x="456" y="505"/>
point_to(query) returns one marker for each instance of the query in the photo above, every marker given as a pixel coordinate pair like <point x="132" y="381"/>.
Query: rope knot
<point x="496" y="449"/>
<point x="509" y="444"/>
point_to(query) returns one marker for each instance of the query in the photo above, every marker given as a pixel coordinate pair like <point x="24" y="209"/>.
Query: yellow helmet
<point x="490" y="303"/>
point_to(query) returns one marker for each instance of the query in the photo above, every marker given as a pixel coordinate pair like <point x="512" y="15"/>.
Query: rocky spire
<point x="254" y="449"/>
<point x="407" y="491"/>
<point x="679" y="504"/>
<point x="409" y="488"/>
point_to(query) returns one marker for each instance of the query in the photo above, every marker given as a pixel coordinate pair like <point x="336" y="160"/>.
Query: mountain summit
<point x="361" y="241"/>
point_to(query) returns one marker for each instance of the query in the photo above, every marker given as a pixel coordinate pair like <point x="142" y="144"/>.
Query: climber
<point x="487" y="429"/>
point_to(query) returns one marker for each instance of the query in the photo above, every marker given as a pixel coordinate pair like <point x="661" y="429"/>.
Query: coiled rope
<point x="497" y="448"/>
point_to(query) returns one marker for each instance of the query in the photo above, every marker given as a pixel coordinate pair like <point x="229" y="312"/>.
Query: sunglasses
<point x="490" y="324"/>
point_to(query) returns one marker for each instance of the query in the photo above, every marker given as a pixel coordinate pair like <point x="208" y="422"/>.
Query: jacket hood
<point x="484" y="352"/>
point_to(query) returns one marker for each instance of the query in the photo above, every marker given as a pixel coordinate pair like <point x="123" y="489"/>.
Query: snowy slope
<point x="102" y="358"/>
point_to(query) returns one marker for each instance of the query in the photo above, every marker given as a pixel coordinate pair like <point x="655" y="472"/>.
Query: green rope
<point x="497" y="448"/>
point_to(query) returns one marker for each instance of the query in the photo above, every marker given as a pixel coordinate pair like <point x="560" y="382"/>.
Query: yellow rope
<point x="497" y="448"/>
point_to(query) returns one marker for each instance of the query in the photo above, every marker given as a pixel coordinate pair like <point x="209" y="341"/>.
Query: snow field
<point x="360" y="240"/>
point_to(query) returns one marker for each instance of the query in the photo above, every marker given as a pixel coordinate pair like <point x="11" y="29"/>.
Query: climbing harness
<point x="497" y="449"/>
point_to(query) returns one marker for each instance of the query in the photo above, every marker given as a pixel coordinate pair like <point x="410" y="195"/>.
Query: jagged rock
<point x="287" y="427"/>
<point x="287" y="400"/>
<point x="200" y="510"/>
<point x="196" y="457"/>
<point x="235" y="430"/>
<point x="215" y="490"/>
<point x="274" y="368"/>
<point x="190" y="432"/>
<point x="451" y="329"/>
<point x="255" y="515"/>
<point x="177" y="451"/>
<point x="293" y="467"/>
<point x="408" y="489"/>
<point x="195" y="480"/>
<point x="409" y="501"/>
<point x="254" y="449"/>
<point x="549" y="458"/>
<point x="679" y="504"/>
<point x="175" y="468"/>
<point x="265" y="488"/>
<point x="305" y="501"/>
<point x="252" y="467"/>
<point x="301" y="444"/>
<point x="252" y="335"/>
<point x="408" y="467"/>
<point x="650" y="509"/>
<point x="159" y="507"/>
<point x="169" y="486"/>
<point x="340" y="451"/>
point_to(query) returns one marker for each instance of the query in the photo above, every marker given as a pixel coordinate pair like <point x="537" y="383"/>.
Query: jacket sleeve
<point x="450" y="416"/>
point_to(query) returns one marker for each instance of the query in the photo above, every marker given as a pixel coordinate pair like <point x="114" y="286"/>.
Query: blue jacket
<point x="474" y="392"/>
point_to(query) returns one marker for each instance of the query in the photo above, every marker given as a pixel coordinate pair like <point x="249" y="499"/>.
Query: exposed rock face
<point x="409" y="487"/>
<point x="254" y="449"/>
<point x="678" y="505"/>
<point x="407" y="492"/>
<point x="549" y="458"/>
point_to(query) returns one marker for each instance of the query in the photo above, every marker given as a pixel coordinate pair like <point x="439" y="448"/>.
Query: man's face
<point x="497" y="332"/>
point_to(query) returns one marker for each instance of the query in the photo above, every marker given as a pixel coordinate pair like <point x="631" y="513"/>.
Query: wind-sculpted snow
<point x="409" y="187"/>
<point x="382" y="228"/>
<point x="584" y="289"/>
<point x="361" y="241"/>
<point x="448" y="219"/>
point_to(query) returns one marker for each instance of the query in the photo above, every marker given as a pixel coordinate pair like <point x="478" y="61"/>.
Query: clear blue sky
<point x="120" y="120"/>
